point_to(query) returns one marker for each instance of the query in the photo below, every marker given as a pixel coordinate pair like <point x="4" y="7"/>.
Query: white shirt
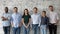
<point x="36" y="19"/>
<point x="6" y="22"/>
<point x="53" y="16"/>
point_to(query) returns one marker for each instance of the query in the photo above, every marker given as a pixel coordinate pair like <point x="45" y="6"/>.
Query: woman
<point x="26" y="21"/>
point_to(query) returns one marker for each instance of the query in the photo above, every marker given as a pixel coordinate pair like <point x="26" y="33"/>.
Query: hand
<point x="26" y="26"/>
<point x="4" y="18"/>
<point x="12" y="26"/>
<point x="20" y="25"/>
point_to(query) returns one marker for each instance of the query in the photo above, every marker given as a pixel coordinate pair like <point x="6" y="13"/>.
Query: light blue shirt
<point x="16" y="19"/>
<point x="6" y="22"/>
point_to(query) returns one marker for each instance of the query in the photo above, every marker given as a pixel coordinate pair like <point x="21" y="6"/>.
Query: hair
<point x="50" y="6"/>
<point x="27" y="11"/>
<point x="35" y="8"/>
<point x="6" y="7"/>
<point x="44" y="12"/>
<point x="15" y="7"/>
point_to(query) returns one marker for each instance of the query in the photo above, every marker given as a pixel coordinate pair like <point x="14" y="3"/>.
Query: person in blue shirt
<point x="16" y="21"/>
<point x="6" y="21"/>
<point x="44" y="23"/>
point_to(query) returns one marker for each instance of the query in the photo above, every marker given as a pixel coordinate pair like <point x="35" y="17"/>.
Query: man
<point x="16" y="21"/>
<point x="44" y="23"/>
<point x="6" y="21"/>
<point x="35" y="19"/>
<point x="54" y="19"/>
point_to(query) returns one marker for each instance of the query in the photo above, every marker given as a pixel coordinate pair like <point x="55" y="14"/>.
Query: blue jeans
<point x="16" y="30"/>
<point x="26" y="30"/>
<point x="35" y="28"/>
<point x="43" y="29"/>
<point x="38" y="30"/>
<point x="6" y="30"/>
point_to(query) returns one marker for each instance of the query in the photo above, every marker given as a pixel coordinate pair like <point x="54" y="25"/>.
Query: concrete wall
<point x="22" y="4"/>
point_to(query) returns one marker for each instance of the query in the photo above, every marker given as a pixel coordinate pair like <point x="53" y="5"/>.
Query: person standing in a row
<point x="26" y="18"/>
<point x="6" y="21"/>
<point x="54" y="19"/>
<point x="35" y="17"/>
<point x="44" y="23"/>
<point x="16" y="21"/>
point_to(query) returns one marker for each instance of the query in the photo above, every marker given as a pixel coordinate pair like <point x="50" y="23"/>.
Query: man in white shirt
<point x="36" y="20"/>
<point x="6" y="21"/>
<point x="54" y="19"/>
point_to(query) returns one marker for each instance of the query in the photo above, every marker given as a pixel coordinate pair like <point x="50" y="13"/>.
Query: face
<point x="43" y="14"/>
<point x="51" y="8"/>
<point x="15" y="10"/>
<point x="35" y="10"/>
<point x="6" y="10"/>
<point x="26" y="11"/>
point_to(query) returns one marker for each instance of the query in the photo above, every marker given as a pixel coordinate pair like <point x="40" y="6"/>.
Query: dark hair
<point x="6" y="8"/>
<point x="27" y="12"/>
<point x="44" y="12"/>
<point x="50" y="6"/>
<point x="15" y="7"/>
<point x="35" y="8"/>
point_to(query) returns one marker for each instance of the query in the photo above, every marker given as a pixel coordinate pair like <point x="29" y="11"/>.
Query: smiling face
<point x="6" y="9"/>
<point x="51" y="8"/>
<point x="15" y="10"/>
<point x="35" y="10"/>
<point x="26" y="12"/>
<point x="44" y="13"/>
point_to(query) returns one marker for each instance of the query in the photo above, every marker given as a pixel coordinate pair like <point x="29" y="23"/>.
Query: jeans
<point x="6" y="30"/>
<point x="26" y="30"/>
<point x="53" y="29"/>
<point x="43" y="29"/>
<point x="38" y="30"/>
<point x="35" y="28"/>
<point x="16" y="30"/>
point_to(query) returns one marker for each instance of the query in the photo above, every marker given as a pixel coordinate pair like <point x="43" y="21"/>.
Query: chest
<point x="35" y="17"/>
<point x="6" y="15"/>
<point x="15" y="16"/>
<point x="26" y="17"/>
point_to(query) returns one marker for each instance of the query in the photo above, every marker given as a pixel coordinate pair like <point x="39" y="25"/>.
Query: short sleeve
<point x="29" y="16"/>
<point x="23" y="16"/>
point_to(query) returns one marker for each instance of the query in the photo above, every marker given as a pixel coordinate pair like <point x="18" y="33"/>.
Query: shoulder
<point x="32" y="15"/>
<point x="19" y="14"/>
<point x="47" y="17"/>
<point x="12" y="14"/>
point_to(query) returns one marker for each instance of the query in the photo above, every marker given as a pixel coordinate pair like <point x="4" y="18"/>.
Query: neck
<point x="6" y="12"/>
<point x="15" y="12"/>
<point x="43" y="16"/>
<point x="35" y="13"/>
<point x="26" y="14"/>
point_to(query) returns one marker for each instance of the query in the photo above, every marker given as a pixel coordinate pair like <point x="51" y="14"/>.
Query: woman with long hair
<point x="26" y="21"/>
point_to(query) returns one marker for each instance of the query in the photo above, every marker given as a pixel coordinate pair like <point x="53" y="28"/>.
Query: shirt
<point x="26" y="19"/>
<point x="53" y="16"/>
<point x="16" y="19"/>
<point x="44" y="20"/>
<point x="36" y="19"/>
<point x="6" y="22"/>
